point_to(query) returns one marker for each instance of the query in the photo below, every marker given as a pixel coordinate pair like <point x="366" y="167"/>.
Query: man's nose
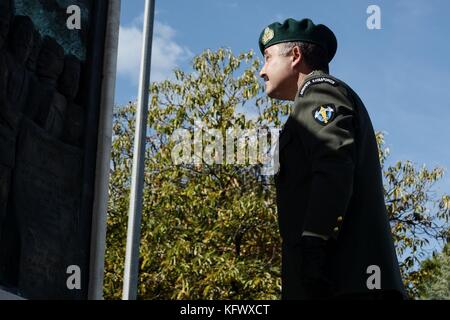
<point x="262" y="73"/>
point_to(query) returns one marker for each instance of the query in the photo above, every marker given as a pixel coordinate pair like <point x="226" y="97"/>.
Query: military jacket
<point x="330" y="183"/>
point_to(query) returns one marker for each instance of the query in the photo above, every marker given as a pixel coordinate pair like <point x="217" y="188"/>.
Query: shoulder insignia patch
<point x="314" y="81"/>
<point x="324" y="114"/>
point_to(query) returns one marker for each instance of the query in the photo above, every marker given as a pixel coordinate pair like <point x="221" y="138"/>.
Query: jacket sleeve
<point x="325" y="123"/>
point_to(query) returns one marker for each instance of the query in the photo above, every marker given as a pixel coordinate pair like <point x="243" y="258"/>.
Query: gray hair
<point x="315" y="56"/>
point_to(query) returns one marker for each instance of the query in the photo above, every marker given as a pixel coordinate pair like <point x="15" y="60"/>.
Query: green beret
<point x="304" y="31"/>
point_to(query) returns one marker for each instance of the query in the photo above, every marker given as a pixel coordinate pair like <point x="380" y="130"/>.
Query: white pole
<point x="130" y="281"/>
<point x="100" y="206"/>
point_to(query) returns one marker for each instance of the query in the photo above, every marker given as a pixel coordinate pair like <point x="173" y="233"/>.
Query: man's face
<point x="279" y="74"/>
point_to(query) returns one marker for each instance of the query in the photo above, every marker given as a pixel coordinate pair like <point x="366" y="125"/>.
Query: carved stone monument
<point x="48" y="143"/>
<point x="20" y="44"/>
<point x="54" y="124"/>
<point x="49" y="67"/>
<point x="68" y="86"/>
<point x="35" y="50"/>
<point x="5" y="20"/>
<point x="46" y="200"/>
<point x="8" y="125"/>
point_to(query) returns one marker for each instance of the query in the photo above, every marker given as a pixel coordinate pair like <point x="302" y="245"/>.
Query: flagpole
<point x="130" y="282"/>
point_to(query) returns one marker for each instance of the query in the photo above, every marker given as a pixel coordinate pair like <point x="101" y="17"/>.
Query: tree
<point x="209" y="230"/>
<point x="436" y="284"/>
<point x="417" y="215"/>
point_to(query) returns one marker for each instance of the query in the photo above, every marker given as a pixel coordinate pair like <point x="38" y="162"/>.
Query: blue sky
<point x="401" y="72"/>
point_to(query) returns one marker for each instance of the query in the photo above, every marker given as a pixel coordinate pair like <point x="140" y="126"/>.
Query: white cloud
<point x="166" y="52"/>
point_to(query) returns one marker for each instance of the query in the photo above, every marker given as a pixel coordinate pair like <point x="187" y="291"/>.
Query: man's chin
<point x="275" y="95"/>
<point x="271" y="93"/>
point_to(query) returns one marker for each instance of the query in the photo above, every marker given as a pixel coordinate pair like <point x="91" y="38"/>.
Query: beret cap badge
<point x="268" y="35"/>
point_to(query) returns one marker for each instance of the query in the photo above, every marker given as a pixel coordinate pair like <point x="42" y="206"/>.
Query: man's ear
<point x="297" y="57"/>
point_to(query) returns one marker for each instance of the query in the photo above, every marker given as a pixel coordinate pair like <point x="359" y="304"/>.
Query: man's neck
<point x="303" y="76"/>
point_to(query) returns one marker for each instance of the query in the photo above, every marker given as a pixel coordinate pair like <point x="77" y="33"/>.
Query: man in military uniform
<point x="332" y="216"/>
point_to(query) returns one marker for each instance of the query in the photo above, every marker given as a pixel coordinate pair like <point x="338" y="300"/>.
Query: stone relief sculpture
<point x="7" y="123"/>
<point x="42" y="127"/>
<point x="35" y="50"/>
<point x="49" y="67"/>
<point x="20" y="45"/>
<point x="68" y="86"/>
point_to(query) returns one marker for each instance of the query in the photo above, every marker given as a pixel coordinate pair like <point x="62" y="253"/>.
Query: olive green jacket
<point x="330" y="183"/>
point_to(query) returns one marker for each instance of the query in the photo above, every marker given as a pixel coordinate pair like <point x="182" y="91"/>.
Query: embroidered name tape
<point x="314" y="81"/>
